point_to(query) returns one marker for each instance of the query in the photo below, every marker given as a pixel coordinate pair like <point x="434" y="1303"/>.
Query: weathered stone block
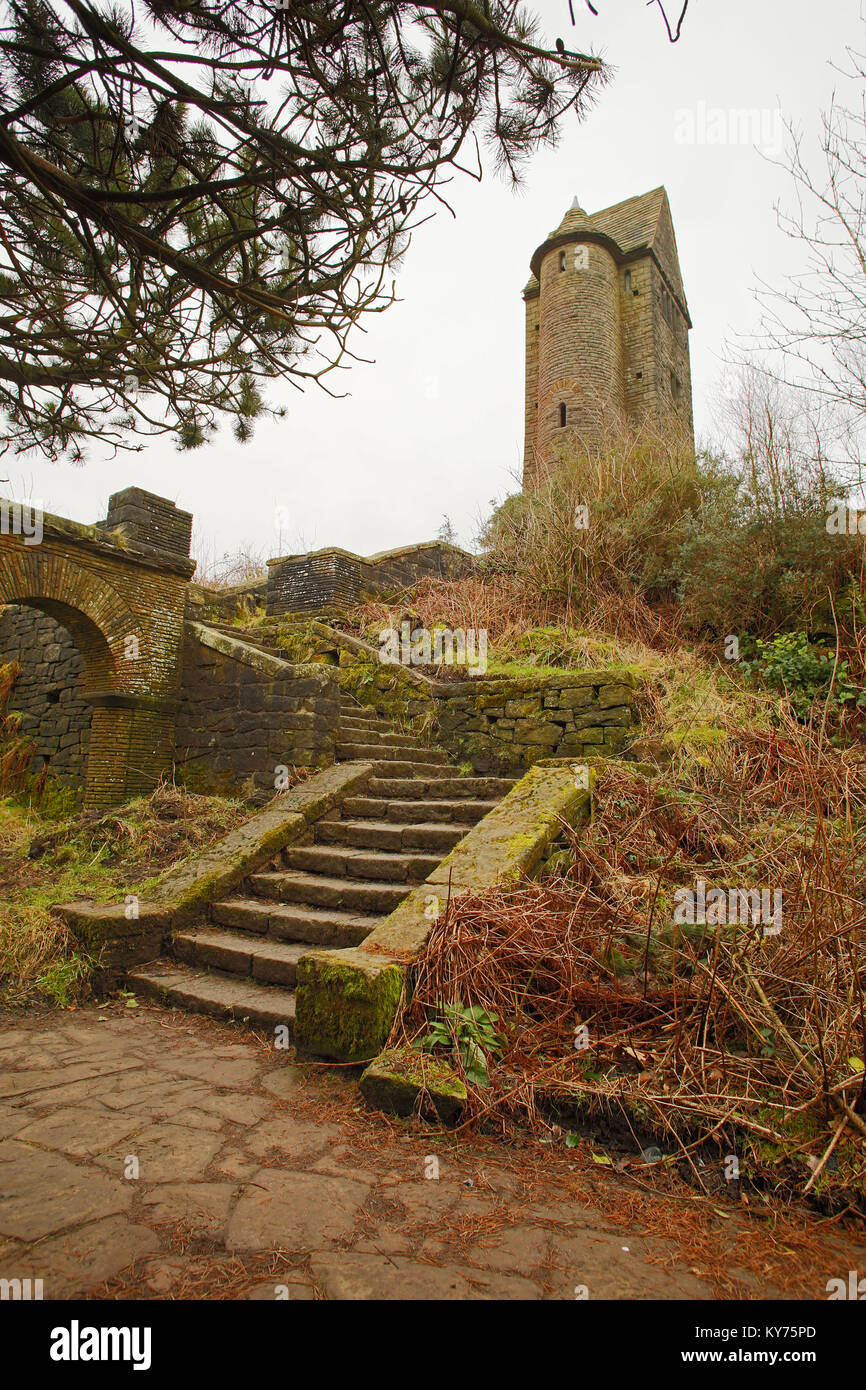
<point x="620" y="715"/>
<point x="528" y="731"/>
<point x="576" y="697"/>
<point x="402" y="1080"/>
<point x="519" y="709"/>
<point x="615" y="695"/>
<point x="346" y="1002"/>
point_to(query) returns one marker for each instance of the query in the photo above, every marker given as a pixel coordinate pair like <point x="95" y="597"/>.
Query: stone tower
<point x="607" y="330"/>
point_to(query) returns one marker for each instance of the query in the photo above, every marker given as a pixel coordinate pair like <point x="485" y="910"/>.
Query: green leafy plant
<point x="472" y="1033"/>
<point x="805" y="672"/>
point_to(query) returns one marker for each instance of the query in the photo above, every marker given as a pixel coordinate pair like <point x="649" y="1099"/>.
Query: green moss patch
<point x="346" y="1002"/>
<point x="403" y="1080"/>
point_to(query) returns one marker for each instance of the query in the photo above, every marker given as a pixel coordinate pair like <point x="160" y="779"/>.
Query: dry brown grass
<point x="697" y="1034"/>
<point x="91" y="854"/>
<point x="508" y="606"/>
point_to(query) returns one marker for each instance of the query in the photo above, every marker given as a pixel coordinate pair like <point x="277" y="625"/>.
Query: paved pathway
<point x="148" y="1154"/>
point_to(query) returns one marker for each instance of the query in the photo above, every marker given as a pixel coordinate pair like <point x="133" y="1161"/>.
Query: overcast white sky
<point x="434" y="426"/>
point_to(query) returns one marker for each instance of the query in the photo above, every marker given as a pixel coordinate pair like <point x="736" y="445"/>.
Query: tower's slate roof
<point x="642" y="223"/>
<point x="632" y="224"/>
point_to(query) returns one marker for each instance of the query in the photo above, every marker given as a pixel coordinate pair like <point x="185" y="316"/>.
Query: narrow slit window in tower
<point x="562" y="415"/>
<point x="627" y="281"/>
<point x="562" y="260"/>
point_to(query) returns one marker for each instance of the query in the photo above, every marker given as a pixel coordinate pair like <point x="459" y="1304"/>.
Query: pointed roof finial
<point x="575" y="207"/>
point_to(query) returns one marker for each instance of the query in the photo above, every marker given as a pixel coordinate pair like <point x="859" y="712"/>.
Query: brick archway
<point x="121" y="599"/>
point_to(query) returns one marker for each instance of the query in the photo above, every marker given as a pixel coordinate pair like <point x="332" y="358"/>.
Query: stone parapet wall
<point x="333" y="579"/>
<point x="243" y="714"/>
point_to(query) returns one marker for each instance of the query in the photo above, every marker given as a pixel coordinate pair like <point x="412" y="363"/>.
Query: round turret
<point x="580" y="381"/>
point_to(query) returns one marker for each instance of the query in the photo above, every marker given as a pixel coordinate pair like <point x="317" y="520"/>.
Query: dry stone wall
<point x="497" y="724"/>
<point x="507" y="725"/>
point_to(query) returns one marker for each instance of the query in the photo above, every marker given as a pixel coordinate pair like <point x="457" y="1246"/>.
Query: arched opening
<point x="67" y="668"/>
<point x="48" y="697"/>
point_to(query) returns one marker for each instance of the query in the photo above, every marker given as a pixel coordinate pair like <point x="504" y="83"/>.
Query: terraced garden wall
<point x="497" y="724"/>
<point x="510" y="724"/>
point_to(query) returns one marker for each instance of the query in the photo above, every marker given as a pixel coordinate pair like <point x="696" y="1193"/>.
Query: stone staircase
<point x="364" y="859"/>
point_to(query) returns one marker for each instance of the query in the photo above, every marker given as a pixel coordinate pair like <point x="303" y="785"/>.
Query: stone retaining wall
<point x="244" y="713"/>
<point x="507" y="725"/>
<point x="497" y="724"/>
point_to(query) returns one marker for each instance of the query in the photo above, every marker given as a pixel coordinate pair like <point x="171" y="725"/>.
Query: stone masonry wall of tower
<point x="607" y="329"/>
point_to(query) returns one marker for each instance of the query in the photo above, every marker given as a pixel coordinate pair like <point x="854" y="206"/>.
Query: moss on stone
<point x="346" y="1003"/>
<point x="402" y="1079"/>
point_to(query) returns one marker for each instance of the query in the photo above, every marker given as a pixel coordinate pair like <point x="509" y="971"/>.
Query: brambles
<point x="804" y="672"/>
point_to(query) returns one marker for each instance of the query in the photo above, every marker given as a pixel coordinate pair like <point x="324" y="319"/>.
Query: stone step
<point x="381" y="734"/>
<point x="354" y="895"/>
<point x="263" y="959"/>
<point x="391" y="835"/>
<point x="335" y="861"/>
<point x="413" y="772"/>
<point x="410" y="751"/>
<point x="213" y="992"/>
<point x="420" y="812"/>
<point x="439" y="788"/>
<point x="293" y="922"/>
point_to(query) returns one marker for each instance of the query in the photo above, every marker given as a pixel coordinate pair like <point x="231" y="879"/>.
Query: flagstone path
<point x="148" y="1154"/>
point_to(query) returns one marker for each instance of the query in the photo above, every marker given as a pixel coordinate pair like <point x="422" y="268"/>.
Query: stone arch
<point x="118" y="587"/>
<point x="86" y="604"/>
<point x="97" y="619"/>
